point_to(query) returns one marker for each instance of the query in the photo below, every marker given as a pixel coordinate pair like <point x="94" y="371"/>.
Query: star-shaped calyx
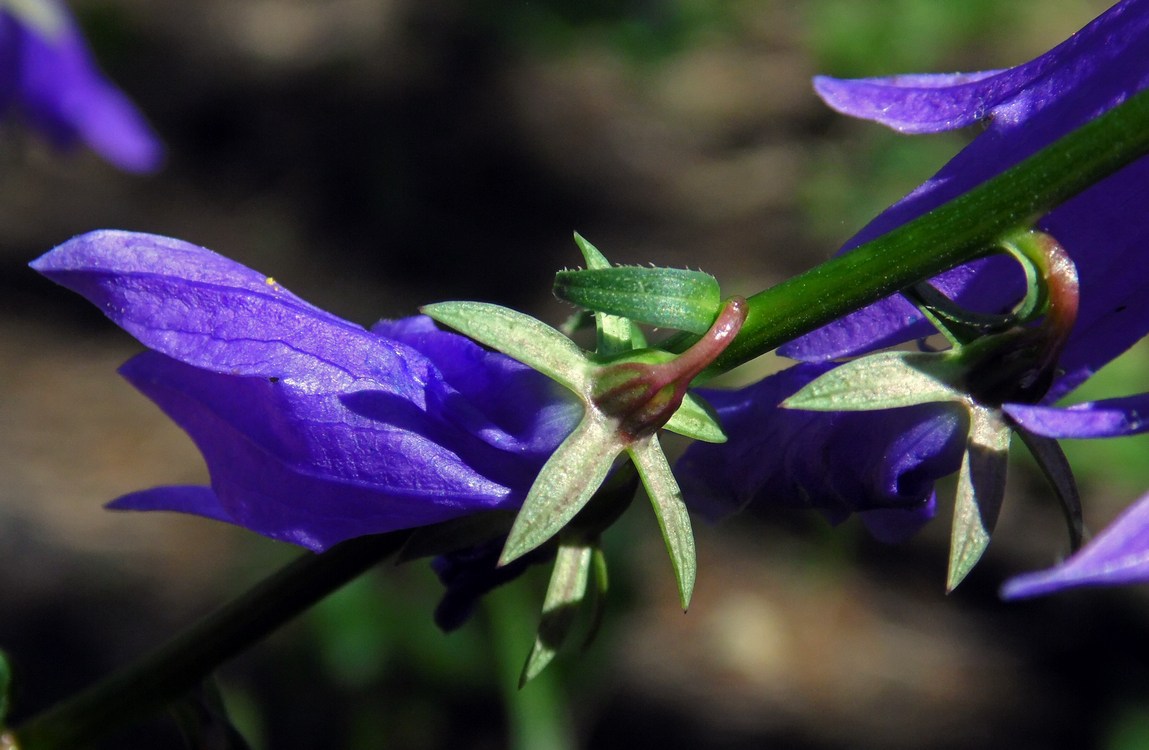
<point x="995" y="362"/>
<point x="628" y="392"/>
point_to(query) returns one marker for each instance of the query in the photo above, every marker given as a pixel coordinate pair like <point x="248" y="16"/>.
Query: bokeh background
<point x="376" y="154"/>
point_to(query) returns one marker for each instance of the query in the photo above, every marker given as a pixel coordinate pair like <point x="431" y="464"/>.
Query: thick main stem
<point x="950" y="235"/>
<point x="176" y="668"/>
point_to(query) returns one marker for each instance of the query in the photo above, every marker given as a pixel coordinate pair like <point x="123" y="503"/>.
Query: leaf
<point x="517" y="335"/>
<point x="880" y="381"/>
<point x="669" y="508"/>
<point x="567" y="481"/>
<point x="565" y="592"/>
<point x="696" y="419"/>
<point x="980" y="490"/>
<point x="666" y="297"/>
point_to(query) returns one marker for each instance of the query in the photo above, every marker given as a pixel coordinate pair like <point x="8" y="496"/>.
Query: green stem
<point x="173" y="670"/>
<point x="951" y="234"/>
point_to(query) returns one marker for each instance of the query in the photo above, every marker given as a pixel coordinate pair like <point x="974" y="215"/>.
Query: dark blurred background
<point x="373" y="155"/>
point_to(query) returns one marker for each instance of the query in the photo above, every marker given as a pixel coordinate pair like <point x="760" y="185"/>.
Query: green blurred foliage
<point x="849" y="39"/>
<point x="1129" y="730"/>
<point x="638" y="31"/>
<point x="402" y="677"/>
<point x="885" y="37"/>
<point x="888" y="165"/>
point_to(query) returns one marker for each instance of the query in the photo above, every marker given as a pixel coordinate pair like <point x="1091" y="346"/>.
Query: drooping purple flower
<point x="1023" y="110"/>
<point x="881" y="465"/>
<point x="1115" y="417"/>
<point x="1119" y="555"/>
<point x="48" y="77"/>
<point x="314" y="429"/>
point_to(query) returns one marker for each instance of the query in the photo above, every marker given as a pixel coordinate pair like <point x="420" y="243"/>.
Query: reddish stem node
<point x="645" y="396"/>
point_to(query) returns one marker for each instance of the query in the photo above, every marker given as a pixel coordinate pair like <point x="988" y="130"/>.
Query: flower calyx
<point x="992" y="363"/>
<point x="628" y="391"/>
<point x="644" y="390"/>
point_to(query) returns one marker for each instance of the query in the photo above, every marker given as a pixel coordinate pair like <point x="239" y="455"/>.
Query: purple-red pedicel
<point x="644" y="396"/>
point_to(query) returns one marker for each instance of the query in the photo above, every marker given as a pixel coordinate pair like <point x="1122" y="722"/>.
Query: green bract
<point x="565" y="593"/>
<point x="667" y="297"/>
<point x="892" y="380"/>
<point x="881" y="381"/>
<point x="628" y="393"/>
<point x="980" y="373"/>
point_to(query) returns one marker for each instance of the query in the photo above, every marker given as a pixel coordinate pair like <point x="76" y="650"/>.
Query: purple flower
<point x="48" y="77"/>
<point x="881" y="465"/>
<point x="1115" y="417"/>
<point x="314" y="429"/>
<point x="1118" y="555"/>
<point x="1023" y="109"/>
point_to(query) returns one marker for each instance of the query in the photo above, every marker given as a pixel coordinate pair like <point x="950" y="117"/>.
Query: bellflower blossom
<point x="1118" y="555"/>
<point x="314" y="429"/>
<point x="1023" y="109"/>
<point x="48" y="77"/>
<point x="839" y="463"/>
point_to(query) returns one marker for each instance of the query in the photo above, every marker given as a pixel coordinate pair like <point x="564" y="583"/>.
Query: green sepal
<point x="565" y="593"/>
<point x="48" y="19"/>
<point x="957" y="325"/>
<point x="1023" y="246"/>
<point x="696" y="420"/>
<point x="601" y="587"/>
<point x="962" y="326"/>
<point x="666" y="297"/>
<point x="591" y="254"/>
<point x="673" y="518"/>
<point x="616" y="334"/>
<point x="980" y="491"/>
<point x="575" y="322"/>
<point x="1055" y="466"/>
<point x="567" y="481"/>
<point x="887" y="380"/>
<point x="517" y="335"/>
